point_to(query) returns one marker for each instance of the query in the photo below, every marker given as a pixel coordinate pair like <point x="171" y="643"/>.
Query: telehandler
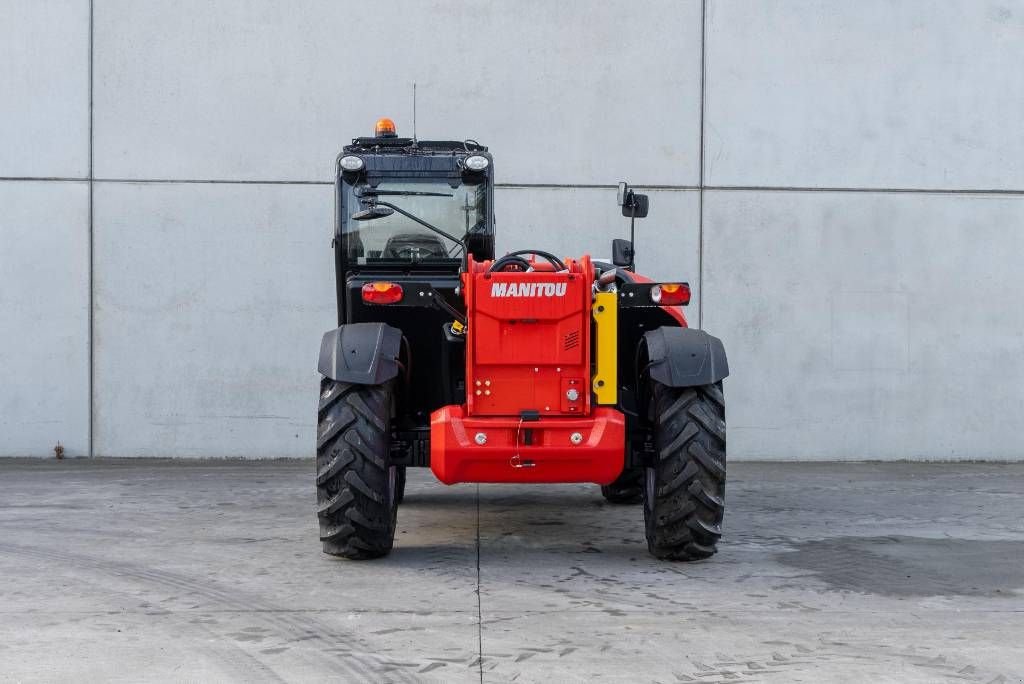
<point x="525" y="368"/>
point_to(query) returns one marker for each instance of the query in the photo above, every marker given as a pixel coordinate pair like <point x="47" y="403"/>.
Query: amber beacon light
<point x="385" y="128"/>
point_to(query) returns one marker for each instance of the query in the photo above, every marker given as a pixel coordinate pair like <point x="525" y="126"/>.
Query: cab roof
<point x="409" y="146"/>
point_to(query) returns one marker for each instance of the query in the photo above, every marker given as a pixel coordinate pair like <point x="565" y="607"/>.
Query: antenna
<point x="414" y="139"/>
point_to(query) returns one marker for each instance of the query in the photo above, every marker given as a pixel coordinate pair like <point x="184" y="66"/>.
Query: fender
<point x="685" y="357"/>
<point x="360" y="353"/>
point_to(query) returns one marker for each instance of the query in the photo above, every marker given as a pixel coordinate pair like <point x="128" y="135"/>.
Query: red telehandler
<point x="525" y="368"/>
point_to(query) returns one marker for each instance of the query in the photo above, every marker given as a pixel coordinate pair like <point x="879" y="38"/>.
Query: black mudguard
<point x="684" y="357"/>
<point x="360" y="353"/>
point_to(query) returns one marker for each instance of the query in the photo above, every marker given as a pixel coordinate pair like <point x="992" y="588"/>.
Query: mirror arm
<point x="632" y="236"/>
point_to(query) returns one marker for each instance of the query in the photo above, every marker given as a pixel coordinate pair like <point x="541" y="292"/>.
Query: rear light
<point x="671" y="294"/>
<point x="382" y="292"/>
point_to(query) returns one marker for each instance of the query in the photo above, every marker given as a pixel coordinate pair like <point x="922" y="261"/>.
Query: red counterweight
<point x="528" y="342"/>
<point x="498" y="449"/>
<point x="528" y="414"/>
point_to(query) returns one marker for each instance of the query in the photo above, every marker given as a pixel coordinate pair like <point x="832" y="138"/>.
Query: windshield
<point x="397" y="237"/>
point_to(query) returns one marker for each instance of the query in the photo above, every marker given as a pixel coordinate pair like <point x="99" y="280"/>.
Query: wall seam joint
<point x="91" y="179"/>
<point x="700" y="171"/>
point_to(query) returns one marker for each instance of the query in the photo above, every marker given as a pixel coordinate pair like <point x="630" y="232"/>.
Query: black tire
<point x="628" y="488"/>
<point x="355" y="482"/>
<point x="400" y="485"/>
<point x="684" y="492"/>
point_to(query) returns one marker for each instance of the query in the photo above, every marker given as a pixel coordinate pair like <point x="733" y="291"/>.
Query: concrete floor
<point x="142" y="570"/>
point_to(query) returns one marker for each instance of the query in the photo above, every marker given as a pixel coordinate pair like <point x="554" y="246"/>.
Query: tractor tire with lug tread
<point x="685" y="486"/>
<point x="400" y="485"/>
<point x="628" y="488"/>
<point x="355" y="483"/>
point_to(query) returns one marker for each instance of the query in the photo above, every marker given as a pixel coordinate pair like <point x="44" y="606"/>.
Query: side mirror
<point x="635" y="203"/>
<point x="622" y="252"/>
<point x="634" y="206"/>
<point x="373" y="212"/>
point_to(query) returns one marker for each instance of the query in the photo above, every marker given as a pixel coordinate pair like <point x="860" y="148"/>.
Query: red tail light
<point x="382" y="292"/>
<point x="671" y="294"/>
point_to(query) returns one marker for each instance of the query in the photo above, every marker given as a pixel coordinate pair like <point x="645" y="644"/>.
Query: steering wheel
<point x="510" y="263"/>
<point x="516" y="258"/>
<point x="406" y="252"/>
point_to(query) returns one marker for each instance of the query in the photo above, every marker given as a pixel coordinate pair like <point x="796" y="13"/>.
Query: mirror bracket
<point x="634" y="205"/>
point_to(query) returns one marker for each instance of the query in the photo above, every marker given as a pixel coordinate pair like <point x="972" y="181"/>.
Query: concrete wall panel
<point x="210" y="304"/>
<point x="876" y="93"/>
<point x="868" y="325"/>
<point x="859" y="324"/>
<point x="44" y="88"/>
<point x="44" y="318"/>
<point x="571" y="222"/>
<point x="211" y="300"/>
<point x="568" y="92"/>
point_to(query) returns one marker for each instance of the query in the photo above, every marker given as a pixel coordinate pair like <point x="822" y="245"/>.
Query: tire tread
<point x="357" y="520"/>
<point x="628" y="488"/>
<point x="684" y="520"/>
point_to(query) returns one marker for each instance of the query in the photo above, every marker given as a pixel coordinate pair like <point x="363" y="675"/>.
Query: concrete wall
<point x="853" y="234"/>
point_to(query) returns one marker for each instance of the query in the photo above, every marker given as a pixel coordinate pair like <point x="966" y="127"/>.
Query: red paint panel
<point x="528" y="333"/>
<point x="455" y="455"/>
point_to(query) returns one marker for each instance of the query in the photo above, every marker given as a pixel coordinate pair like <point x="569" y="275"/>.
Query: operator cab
<point x="405" y="204"/>
<point x="412" y="211"/>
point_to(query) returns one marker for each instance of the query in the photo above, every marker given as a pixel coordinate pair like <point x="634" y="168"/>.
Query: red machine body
<point x="528" y="341"/>
<point x="528" y="415"/>
<point x="551" y="455"/>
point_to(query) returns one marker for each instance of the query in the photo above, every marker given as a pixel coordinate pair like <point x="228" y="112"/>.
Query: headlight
<point x="351" y="164"/>
<point x="476" y="163"/>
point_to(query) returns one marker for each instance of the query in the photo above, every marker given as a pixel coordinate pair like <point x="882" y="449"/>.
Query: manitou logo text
<point x="527" y="289"/>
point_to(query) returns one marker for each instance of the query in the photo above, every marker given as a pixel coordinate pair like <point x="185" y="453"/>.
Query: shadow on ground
<point x="913" y="566"/>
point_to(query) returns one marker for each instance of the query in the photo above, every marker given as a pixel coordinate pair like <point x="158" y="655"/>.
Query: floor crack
<point x="479" y="612"/>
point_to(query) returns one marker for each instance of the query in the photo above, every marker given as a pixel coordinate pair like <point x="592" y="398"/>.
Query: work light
<point x="476" y="163"/>
<point x="351" y="163"/>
